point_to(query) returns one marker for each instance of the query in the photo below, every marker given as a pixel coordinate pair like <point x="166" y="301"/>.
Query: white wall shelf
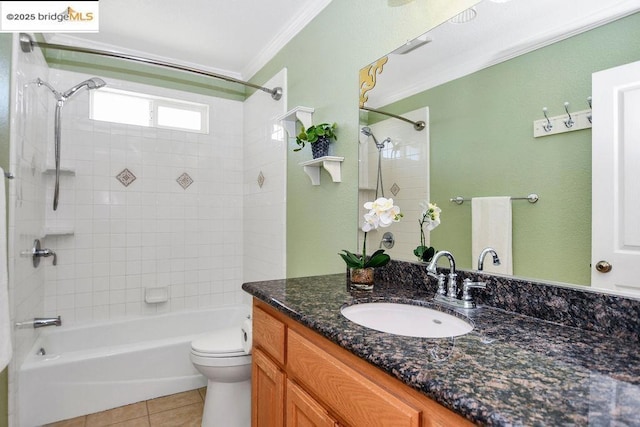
<point x="288" y="119"/>
<point x="331" y="164"/>
<point x="58" y="231"/>
<point x="63" y="171"/>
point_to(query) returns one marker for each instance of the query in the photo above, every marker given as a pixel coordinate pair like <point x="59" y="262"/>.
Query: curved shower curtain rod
<point x="419" y="125"/>
<point x="27" y="43"/>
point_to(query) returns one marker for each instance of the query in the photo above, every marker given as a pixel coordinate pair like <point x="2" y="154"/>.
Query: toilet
<point x="220" y="357"/>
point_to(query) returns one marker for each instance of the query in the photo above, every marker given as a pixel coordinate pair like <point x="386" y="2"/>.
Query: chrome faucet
<point x="40" y="322"/>
<point x="484" y="253"/>
<point x="449" y="296"/>
<point x="452" y="286"/>
<point x="37" y="252"/>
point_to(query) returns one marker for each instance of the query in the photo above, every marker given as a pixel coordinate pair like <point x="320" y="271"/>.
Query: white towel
<point x="491" y="226"/>
<point x="5" y="327"/>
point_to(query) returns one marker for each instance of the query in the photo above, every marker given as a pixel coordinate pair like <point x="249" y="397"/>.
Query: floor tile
<point x="136" y="422"/>
<point x="203" y="392"/>
<point x="73" y="422"/>
<point x="190" y="416"/>
<point x="174" y="401"/>
<point x="117" y="415"/>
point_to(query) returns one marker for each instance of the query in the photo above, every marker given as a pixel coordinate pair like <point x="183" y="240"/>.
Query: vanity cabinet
<point x="302" y="379"/>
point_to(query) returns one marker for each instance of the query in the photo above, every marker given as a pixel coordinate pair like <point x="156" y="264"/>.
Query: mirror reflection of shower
<point x="366" y="130"/>
<point x="61" y="98"/>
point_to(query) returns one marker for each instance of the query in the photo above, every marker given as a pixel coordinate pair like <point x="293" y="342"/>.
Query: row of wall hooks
<point x="563" y="123"/>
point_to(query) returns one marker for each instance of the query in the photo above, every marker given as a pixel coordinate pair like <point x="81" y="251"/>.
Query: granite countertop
<point x="511" y="370"/>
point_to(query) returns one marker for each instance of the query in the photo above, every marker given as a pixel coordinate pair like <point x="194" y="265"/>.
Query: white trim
<point x="284" y="37"/>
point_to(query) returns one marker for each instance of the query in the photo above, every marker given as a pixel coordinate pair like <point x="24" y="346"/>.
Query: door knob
<point x="603" y="267"/>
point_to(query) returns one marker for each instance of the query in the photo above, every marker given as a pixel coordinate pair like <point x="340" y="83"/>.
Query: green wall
<point x="482" y="145"/>
<point x="322" y="64"/>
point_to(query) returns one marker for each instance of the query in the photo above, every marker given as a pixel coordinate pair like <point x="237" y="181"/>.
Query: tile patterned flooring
<point x="181" y="409"/>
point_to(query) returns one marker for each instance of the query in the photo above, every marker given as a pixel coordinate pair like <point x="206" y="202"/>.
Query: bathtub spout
<point x="41" y="322"/>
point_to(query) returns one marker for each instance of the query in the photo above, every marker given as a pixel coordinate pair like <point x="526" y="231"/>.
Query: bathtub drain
<point x="41" y="352"/>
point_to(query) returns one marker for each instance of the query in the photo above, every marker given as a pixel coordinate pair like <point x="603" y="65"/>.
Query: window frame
<point x="154" y="102"/>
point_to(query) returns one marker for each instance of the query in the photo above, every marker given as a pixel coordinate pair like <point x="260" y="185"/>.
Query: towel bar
<point x="532" y="198"/>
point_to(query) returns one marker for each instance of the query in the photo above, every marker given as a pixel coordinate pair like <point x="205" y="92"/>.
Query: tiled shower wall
<point x="265" y="150"/>
<point x="25" y="206"/>
<point x="163" y="229"/>
<point x="405" y="174"/>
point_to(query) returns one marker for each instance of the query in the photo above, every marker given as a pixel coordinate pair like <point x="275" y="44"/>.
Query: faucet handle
<point x="467" y="298"/>
<point x="440" y="278"/>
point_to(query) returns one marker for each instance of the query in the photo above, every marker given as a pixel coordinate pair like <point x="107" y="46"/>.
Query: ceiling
<point x="500" y="31"/>
<point x="231" y="37"/>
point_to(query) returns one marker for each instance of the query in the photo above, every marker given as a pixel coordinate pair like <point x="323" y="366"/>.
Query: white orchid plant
<point x="382" y="213"/>
<point x="429" y="218"/>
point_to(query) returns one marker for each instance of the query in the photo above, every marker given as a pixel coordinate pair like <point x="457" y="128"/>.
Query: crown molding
<point x="284" y="37"/>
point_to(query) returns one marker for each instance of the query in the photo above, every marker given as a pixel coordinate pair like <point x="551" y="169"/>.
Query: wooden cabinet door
<point x="303" y="411"/>
<point x="352" y="397"/>
<point x="267" y="392"/>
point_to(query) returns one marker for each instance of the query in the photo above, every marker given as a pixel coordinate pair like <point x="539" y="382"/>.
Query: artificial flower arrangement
<point x="382" y="213"/>
<point x="430" y="218"/>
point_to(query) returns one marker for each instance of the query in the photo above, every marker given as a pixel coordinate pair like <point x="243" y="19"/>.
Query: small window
<point x="117" y="106"/>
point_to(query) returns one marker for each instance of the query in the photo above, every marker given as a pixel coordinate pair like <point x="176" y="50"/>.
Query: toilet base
<point x="227" y="404"/>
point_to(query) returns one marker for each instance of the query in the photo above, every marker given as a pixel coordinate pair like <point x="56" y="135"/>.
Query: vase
<point x="362" y="278"/>
<point x="320" y="148"/>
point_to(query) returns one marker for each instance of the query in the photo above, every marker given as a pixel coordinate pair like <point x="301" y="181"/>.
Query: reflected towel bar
<point x="532" y="198"/>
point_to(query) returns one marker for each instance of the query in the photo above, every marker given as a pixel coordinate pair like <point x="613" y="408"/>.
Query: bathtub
<point x="94" y="367"/>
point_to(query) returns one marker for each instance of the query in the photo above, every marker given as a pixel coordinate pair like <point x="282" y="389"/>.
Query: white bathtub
<point x="100" y="366"/>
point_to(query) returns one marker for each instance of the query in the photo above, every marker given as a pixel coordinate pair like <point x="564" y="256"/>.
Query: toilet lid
<point x="223" y="341"/>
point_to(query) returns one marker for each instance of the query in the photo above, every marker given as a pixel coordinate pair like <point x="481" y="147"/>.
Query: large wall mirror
<point x="479" y="86"/>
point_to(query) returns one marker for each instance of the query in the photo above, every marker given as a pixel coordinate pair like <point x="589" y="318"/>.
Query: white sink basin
<point x="405" y="319"/>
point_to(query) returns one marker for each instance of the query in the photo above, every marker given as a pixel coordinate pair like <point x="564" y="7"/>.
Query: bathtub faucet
<point x="41" y="322"/>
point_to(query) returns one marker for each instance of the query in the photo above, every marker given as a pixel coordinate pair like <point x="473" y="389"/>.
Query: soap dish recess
<point x="156" y="295"/>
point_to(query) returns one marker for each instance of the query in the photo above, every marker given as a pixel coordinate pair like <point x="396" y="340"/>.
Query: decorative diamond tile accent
<point x="395" y="189"/>
<point x="126" y="177"/>
<point x="184" y="180"/>
<point x="260" y="179"/>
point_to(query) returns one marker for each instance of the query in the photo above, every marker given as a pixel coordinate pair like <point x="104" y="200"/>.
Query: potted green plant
<point x="318" y="136"/>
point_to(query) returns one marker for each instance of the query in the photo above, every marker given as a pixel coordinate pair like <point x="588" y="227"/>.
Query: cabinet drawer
<point x="354" y="398"/>
<point x="269" y="333"/>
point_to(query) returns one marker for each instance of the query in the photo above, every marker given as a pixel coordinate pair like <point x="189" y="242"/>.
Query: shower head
<point x="366" y="130"/>
<point x="92" y="83"/>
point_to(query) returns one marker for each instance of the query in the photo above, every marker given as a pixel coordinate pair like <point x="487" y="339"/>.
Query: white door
<point x="615" y="253"/>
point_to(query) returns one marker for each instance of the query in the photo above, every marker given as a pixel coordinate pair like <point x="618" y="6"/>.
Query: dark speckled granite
<point x="511" y="370"/>
<point x="576" y="306"/>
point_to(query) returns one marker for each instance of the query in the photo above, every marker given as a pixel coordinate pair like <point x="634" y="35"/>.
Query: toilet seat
<point x="222" y="343"/>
